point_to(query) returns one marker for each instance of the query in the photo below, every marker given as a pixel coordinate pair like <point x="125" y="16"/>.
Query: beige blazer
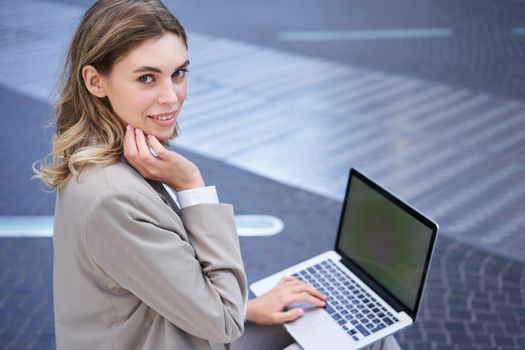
<point x="132" y="271"/>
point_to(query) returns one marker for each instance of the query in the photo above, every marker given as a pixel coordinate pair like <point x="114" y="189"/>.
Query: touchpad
<point x="310" y="319"/>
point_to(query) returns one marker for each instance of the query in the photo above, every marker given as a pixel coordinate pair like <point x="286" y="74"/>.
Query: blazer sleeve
<point x="198" y="285"/>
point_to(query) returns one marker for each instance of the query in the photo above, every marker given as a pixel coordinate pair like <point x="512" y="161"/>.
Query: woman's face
<point x="147" y="87"/>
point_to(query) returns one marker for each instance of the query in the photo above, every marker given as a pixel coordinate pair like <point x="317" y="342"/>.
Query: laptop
<point x="373" y="279"/>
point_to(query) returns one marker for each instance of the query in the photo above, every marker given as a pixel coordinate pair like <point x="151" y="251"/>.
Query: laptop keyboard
<point x="353" y="308"/>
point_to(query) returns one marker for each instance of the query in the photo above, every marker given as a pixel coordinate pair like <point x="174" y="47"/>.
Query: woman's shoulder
<point x="106" y="180"/>
<point x="115" y="189"/>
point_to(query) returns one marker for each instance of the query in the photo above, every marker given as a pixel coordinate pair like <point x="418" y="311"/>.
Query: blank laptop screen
<point x="385" y="241"/>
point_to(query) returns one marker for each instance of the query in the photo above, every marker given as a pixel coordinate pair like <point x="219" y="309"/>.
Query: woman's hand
<point x="270" y="308"/>
<point x="168" y="167"/>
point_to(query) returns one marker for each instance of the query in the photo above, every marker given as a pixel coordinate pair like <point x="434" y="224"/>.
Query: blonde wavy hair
<point x="87" y="130"/>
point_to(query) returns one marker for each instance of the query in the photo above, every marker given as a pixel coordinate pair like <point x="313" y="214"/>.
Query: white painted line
<point x="258" y="225"/>
<point x="329" y="35"/>
<point x="42" y="226"/>
<point x="26" y="226"/>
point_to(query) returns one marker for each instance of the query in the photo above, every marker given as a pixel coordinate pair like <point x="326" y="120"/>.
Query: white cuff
<point x="199" y="195"/>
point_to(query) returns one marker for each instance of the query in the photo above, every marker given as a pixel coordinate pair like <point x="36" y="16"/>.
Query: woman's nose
<point x="168" y="93"/>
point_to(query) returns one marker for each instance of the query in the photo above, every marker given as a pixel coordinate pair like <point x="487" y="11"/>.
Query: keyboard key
<point x="378" y="328"/>
<point x="362" y="329"/>
<point x="336" y="316"/>
<point x="342" y="321"/>
<point x="329" y="309"/>
<point x="355" y="338"/>
<point x="388" y="321"/>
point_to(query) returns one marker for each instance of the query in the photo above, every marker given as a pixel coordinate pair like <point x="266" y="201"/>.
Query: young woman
<point x="132" y="268"/>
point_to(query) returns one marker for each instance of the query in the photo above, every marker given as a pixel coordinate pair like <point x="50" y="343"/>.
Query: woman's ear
<point x="94" y="81"/>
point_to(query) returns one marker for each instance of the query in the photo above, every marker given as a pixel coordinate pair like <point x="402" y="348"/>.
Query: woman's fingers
<point x="305" y="288"/>
<point x="130" y="146"/>
<point x="304" y="297"/>
<point x="142" y="145"/>
<point x="158" y="148"/>
<point x="297" y="286"/>
<point x="288" y="279"/>
<point x="160" y="164"/>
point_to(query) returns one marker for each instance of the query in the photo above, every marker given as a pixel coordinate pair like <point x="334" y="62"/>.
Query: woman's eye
<point x="179" y="74"/>
<point x="146" y="79"/>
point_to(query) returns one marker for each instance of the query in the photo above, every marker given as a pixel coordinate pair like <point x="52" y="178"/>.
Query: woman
<point x="132" y="268"/>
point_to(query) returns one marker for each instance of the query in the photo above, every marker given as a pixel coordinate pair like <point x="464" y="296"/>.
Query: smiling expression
<point x="147" y="87"/>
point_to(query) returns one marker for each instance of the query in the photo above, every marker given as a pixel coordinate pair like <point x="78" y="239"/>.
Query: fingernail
<point x="301" y="311"/>
<point x="137" y="131"/>
<point x="128" y="128"/>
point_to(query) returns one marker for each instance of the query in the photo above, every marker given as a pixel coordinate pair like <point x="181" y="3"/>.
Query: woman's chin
<point x="165" y="135"/>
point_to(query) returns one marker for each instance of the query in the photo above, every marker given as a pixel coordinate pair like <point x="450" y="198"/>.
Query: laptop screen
<point x="390" y="241"/>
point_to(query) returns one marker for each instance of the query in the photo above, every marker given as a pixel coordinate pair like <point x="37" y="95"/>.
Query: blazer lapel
<point x="159" y="188"/>
<point x="163" y="193"/>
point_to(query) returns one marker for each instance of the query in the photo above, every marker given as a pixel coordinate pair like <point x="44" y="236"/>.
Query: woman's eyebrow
<point x="146" y="69"/>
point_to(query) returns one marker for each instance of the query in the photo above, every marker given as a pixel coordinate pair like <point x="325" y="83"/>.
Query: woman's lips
<point x="165" y="119"/>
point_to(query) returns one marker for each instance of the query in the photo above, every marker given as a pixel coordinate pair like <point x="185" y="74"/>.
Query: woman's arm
<point x="195" y="281"/>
